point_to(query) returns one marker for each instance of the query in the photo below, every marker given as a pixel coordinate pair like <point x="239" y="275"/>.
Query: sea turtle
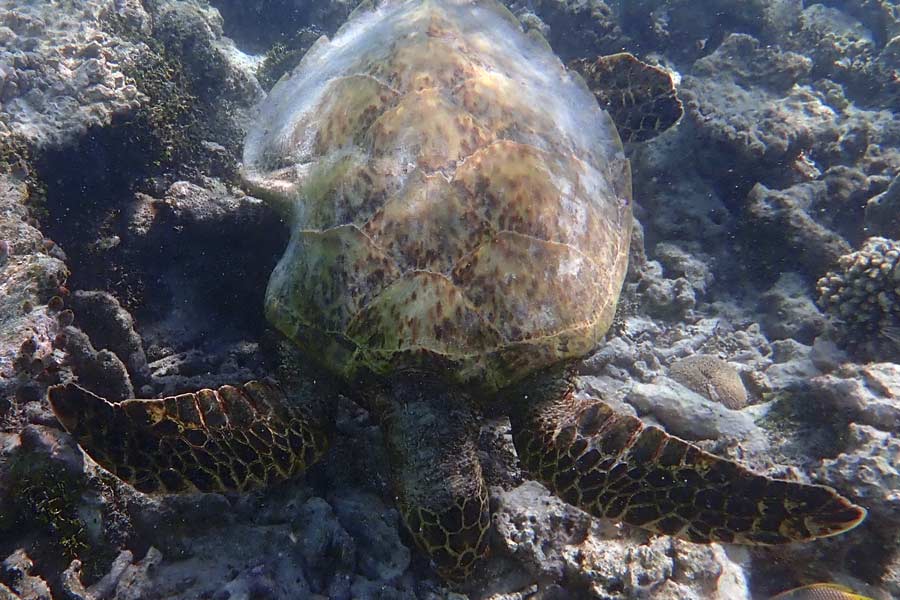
<point x="460" y="207"/>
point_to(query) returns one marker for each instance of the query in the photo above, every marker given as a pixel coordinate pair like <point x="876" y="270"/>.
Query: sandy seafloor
<point x="131" y="260"/>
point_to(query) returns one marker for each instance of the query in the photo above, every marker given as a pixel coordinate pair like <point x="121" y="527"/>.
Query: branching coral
<point x="863" y="297"/>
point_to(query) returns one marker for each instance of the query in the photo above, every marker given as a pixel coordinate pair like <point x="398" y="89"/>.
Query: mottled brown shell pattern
<point x="457" y="198"/>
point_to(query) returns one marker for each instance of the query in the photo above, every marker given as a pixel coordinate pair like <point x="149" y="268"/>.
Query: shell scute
<point x="421" y="311"/>
<point x="428" y="225"/>
<point x="529" y="287"/>
<point x="444" y="135"/>
<point x="326" y="277"/>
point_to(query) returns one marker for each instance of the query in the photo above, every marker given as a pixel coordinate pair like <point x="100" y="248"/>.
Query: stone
<point x="868" y="471"/>
<point x="784" y="215"/>
<point x="15" y="571"/>
<point x="101" y="371"/>
<point x="789" y="312"/>
<point x="374" y="526"/>
<point x="689" y="415"/>
<point x="561" y="543"/>
<point x="866" y="394"/>
<point x="111" y="327"/>
<point x="883" y="212"/>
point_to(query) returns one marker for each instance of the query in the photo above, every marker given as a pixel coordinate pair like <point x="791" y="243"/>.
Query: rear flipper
<point x="639" y="97"/>
<point x="613" y="466"/>
<point x="229" y="439"/>
<point x="431" y="437"/>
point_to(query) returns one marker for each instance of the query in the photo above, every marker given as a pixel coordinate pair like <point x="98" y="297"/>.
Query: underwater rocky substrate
<point x="784" y="164"/>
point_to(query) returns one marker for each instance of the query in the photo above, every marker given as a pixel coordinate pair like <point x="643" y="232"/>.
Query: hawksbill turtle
<point x="460" y="207"/>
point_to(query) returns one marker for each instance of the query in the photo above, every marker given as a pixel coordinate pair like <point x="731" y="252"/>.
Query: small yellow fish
<point x="820" y="591"/>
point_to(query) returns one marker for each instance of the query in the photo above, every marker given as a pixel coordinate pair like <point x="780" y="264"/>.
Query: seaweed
<point x="19" y="159"/>
<point x="44" y="498"/>
<point x="167" y="127"/>
<point x="283" y="56"/>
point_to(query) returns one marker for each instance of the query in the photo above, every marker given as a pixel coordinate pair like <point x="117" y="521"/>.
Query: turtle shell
<point x="458" y="200"/>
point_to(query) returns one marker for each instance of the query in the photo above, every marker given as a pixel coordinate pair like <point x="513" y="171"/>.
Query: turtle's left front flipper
<point x="614" y="466"/>
<point x="228" y="439"/>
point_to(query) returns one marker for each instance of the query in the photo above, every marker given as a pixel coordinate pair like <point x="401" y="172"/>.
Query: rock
<point x="105" y="588"/>
<point x="15" y="572"/>
<point x="325" y="546"/>
<point x="748" y="63"/>
<point x="111" y="327"/>
<point x="574" y="29"/>
<point x="789" y="312"/>
<point x="839" y="45"/>
<point x="711" y="377"/>
<point x="868" y="471"/>
<point x="792" y="367"/>
<point x="867" y="394"/>
<point x="689" y="415"/>
<point x="687" y="30"/>
<point x="563" y="544"/>
<point x="380" y="554"/>
<point x="768" y="123"/>
<point x="784" y="215"/>
<point x="62" y="72"/>
<point x="100" y="371"/>
<point x="44" y="444"/>
<point x="135" y="581"/>
<point x="665" y="298"/>
<point x="678" y="263"/>
<point x="29" y="278"/>
<point x="883" y="212"/>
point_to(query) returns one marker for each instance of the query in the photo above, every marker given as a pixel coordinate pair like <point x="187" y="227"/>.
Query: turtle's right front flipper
<point x="614" y="466"/>
<point x="229" y="439"/>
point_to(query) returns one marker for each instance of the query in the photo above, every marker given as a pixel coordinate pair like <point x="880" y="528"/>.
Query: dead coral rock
<point x="868" y="394"/>
<point x="789" y="312"/>
<point x="689" y="415"/>
<point x="62" y="71"/>
<point x="111" y="327"/>
<point x="784" y="215"/>
<point x="745" y="101"/>
<point x="15" y="572"/>
<point x="100" y="371"/>
<point x="883" y="212"/>
<point x="575" y="29"/>
<point x="29" y="278"/>
<point x="868" y="471"/>
<point x="712" y="377"/>
<point x="749" y="63"/>
<point x="125" y="580"/>
<point x="560" y="543"/>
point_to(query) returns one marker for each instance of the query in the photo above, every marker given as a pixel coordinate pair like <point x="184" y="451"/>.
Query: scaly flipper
<point x="431" y="439"/>
<point x="613" y="466"/>
<point x="639" y="97"/>
<point x="229" y="439"/>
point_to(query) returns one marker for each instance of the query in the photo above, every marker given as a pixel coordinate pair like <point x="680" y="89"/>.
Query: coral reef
<point x="559" y="543"/>
<point x="864" y="299"/>
<point x="120" y="125"/>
